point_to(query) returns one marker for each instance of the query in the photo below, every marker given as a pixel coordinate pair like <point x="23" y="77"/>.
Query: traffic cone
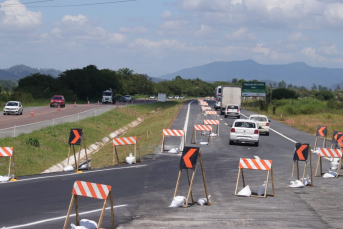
<point x="58" y="108"/>
<point x="88" y="102"/>
<point x="31" y="112"/>
<point x="75" y="104"/>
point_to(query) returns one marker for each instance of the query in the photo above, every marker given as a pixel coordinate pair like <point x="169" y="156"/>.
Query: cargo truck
<point x="230" y="95"/>
<point x="108" y="96"/>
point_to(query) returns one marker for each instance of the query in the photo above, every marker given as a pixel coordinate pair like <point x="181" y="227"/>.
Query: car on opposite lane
<point x="128" y="98"/>
<point x="244" y="130"/>
<point x="57" y="100"/>
<point x="152" y="96"/>
<point x="13" y="107"/>
<point x="170" y="97"/>
<point x="263" y="123"/>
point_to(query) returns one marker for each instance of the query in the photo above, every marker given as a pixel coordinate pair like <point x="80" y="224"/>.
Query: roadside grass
<point x="53" y="140"/>
<point x="305" y="115"/>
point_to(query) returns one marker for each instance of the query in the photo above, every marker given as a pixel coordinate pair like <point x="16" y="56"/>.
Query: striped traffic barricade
<point x="321" y="133"/>
<point x="203" y="109"/>
<point x="212" y="122"/>
<point x="123" y="142"/>
<point x="209" y="113"/>
<point x="92" y="190"/>
<point x="202" y="128"/>
<point x="7" y="152"/>
<point x="301" y="153"/>
<point x="256" y="164"/>
<point x="174" y="133"/>
<point x="329" y="153"/>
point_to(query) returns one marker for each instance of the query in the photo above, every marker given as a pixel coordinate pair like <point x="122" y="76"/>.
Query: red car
<point x="57" y="100"/>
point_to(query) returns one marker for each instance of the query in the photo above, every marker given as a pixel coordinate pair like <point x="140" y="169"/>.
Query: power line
<point x="84" y="4"/>
<point x="27" y="3"/>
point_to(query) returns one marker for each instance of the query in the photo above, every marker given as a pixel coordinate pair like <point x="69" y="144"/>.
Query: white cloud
<point x="240" y="34"/>
<point x="135" y="30"/>
<point x="297" y="36"/>
<point x="166" y="14"/>
<point x="328" y="50"/>
<point x="174" y="25"/>
<point x="15" y="17"/>
<point x="260" y="49"/>
<point x="311" y="53"/>
<point x="78" y="20"/>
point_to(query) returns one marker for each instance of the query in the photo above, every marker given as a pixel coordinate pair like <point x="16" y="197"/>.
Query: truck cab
<point x="108" y="97"/>
<point x="217" y="97"/>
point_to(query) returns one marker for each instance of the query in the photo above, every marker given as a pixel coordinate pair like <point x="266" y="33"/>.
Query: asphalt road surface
<point x="143" y="192"/>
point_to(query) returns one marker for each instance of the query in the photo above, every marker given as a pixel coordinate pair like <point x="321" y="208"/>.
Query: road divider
<point x="201" y="128"/>
<point x="175" y="133"/>
<point x="124" y="142"/>
<point x="8" y="152"/>
<point x="331" y="154"/>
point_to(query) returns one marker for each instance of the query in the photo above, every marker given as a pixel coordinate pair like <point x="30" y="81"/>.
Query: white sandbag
<point x="296" y="184"/>
<point x="213" y="134"/>
<point x="261" y="190"/>
<point x="89" y="224"/>
<point x="130" y="159"/>
<point x="73" y="226"/>
<point x="245" y="191"/>
<point x="330" y="174"/>
<point x="307" y="181"/>
<point x="3" y="178"/>
<point x="203" y="143"/>
<point x="178" y="201"/>
<point x="68" y="168"/>
<point x="84" y="166"/>
<point x="174" y="150"/>
<point x="202" y="201"/>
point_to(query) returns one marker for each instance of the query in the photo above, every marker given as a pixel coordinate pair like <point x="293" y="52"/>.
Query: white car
<point x="176" y="97"/>
<point x="232" y="110"/>
<point x="244" y="130"/>
<point x="152" y="96"/>
<point x="263" y="123"/>
<point x="13" y="107"/>
<point x="128" y="98"/>
<point x="170" y="97"/>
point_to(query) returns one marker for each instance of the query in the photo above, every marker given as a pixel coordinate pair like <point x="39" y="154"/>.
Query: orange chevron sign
<point x="340" y="140"/>
<point x="301" y="152"/>
<point x="322" y="130"/>
<point x="75" y="136"/>
<point x="189" y="157"/>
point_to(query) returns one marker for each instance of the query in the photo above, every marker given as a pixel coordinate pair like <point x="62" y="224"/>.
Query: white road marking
<point x="186" y="124"/>
<point x="61" y="217"/>
<point x="73" y="174"/>
<point x="277" y="132"/>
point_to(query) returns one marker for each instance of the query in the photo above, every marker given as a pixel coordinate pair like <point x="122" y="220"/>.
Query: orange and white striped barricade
<point x="329" y="153"/>
<point x="208" y="113"/>
<point x="123" y="142"/>
<point x="8" y="152"/>
<point x="337" y="140"/>
<point x="202" y="128"/>
<point x="203" y="109"/>
<point x="256" y="164"/>
<point x="189" y="160"/>
<point x="75" y="138"/>
<point x="212" y="122"/>
<point x="176" y="133"/>
<point x="93" y="190"/>
<point x="301" y="152"/>
<point x="321" y="133"/>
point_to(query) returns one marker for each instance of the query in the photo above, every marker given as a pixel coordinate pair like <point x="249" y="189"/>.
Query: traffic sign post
<point x="329" y="153"/>
<point x="126" y="141"/>
<point x="301" y="153"/>
<point x="201" y="128"/>
<point x="321" y="133"/>
<point x="92" y="190"/>
<point x="256" y="164"/>
<point x="75" y="137"/>
<point x="176" y="133"/>
<point x="189" y="160"/>
<point x="9" y="152"/>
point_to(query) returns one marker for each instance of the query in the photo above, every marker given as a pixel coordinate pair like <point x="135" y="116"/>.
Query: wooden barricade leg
<point x="162" y="147"/>
<point x="204" y="179"/>
<point x="135" y="153"/>
<point x="266" y="188"/>
<point x="77" y="211"/>
<point x="69" y="210"/>
<point x="68" y="154"/>
<point x="218" y="130"/>
<point x="339" y="167"/>
<point x="243" y="179"/>
<point x="15" y="170"/>
<point x="84" y="144"/>
<point x="77" y="167"/>
<point x="271" y="169"/>
<point x="189" y="183"/>
<point x="115" y="149"/>
<point x="298" y="170"/>
<point x="293" y="168"/>
<point x="315" y="143"/>
<point x="139" y="154"/>
<point x="324" y="143"/>
<point x="190" y="187"/>
<point x="113" y="153"/>
<point x="112" y="211"/>
<point x="192" y="138"/>
<point x="102" y="213"/>
<point x="311" y="167"/>
<point x="9" y="167"/>
<point x="177" y="182"/>
<point x="239" y="173"/>
<point x="305" y="166"/>
<point x="210" y="138"/>
<point x="318" y="162"/>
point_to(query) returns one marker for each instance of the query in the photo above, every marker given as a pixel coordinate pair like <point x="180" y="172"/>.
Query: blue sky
<point x="158" y="37"/>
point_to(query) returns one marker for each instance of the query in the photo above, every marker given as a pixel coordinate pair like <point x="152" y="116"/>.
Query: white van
<point x="217" y="97"/>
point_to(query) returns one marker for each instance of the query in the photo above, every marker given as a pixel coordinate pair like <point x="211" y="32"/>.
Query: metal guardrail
<point x="28" y="128"/>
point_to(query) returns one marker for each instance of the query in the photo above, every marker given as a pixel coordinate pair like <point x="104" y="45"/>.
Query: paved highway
<point x="143" y="192"/>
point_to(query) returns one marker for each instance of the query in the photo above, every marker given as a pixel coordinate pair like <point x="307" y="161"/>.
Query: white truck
<point x="108" y="96"/>
<point x="230" y="95"/>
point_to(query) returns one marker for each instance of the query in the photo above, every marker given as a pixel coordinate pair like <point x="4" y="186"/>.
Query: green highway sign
<point x="254" y="89"/>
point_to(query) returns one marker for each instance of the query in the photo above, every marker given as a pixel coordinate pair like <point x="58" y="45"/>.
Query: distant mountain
<point x="298" y="73"/>
<point x="20" y="71"/>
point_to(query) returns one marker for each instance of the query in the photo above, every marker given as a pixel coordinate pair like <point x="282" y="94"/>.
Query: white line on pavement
<point x="61" y="217"/>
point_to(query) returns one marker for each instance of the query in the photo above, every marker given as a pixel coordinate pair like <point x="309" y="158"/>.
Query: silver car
<point x="13" y="107"/>
<point x="244" y="130"/>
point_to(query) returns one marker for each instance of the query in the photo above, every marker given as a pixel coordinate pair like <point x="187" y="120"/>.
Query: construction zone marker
<point x="321" y="133"/>
<point x="92" y="190"/>
<point x="337" y="140"/>
<point x="176" y="133"/>
<point x="208" y="113"/>
<point x="256" y="164"/>
<point x="301" y="153"/>
<point x="189" y="160"/>
<point x="75" y="138"/>
<point x="123" y="142"/>
<point x="212" y="122"/>
<point x="330" y="153"/>
<point x="58" y="107"/>
<point x="75" y="104"/>
<point x="8" y="152"/>
<point x="31" y="113"/>
<point x="202" y="128"/>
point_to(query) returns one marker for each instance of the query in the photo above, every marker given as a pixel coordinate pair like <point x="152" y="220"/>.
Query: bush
<point x="23" y="97"/>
